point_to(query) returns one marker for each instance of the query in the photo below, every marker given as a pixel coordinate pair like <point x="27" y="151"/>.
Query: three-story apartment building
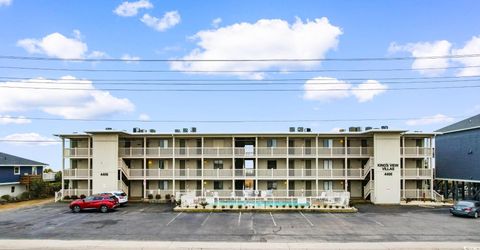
<point x="381" y="165"/>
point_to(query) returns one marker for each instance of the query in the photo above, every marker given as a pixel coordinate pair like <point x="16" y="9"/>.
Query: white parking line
<point x="274" y="223"/>
<point x="174" y="218"/>
<point x="309" y="222"/>
<point x="239" y="218"/>
<point x="205" y="221"/>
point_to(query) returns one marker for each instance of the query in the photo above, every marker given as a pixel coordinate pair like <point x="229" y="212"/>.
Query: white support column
<point x="144" y="168"/>
<point x="233" y="162"/>
<point x="173" y="165"/>
<point x="288" y="166"/>
<point x="63" y="167"/>
<point x="346" y="164"/>
<point x="404" y="166"/>
<point x="256" y="163"/>
<point x="430" y="163"/>
<point x="316" y="165"/>
<point x="89" y="168"/>
<point x="202" y="165"/>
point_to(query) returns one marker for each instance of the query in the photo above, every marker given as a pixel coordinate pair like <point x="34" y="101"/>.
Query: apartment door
<point x="199" y="167"/>
<point x="291" y="167"/>
<point x="328" y="185"/>
<point x="199" y="146"/>
<point x="182" y="147"/>
<point x="291" y="188"/>
<point x="198" y="191"/>
<point x="308" y="146"/>
<point x="182" y="168"/>
<point x="291" y="147"/>
<point x="182" y="186"/>
<point x="308" y="188"/>
<point x="308" y="168"/>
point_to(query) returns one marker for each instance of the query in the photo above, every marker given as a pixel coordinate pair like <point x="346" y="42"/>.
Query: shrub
<point x="283" y="206"/>
<point x="231" y="206"/>
<point x="253" y="206"/>
<point x="150" y="196"/>
<point x="66" y="197"/>
<point x="276" y="206"/>
<point x="2" y="201"/>
<point x="343" y="207"/>
<point x="214" y="206"/>
<point x="74" y="197"/>
<point x="239" y="206"/>
<point x="203" y="204"/>
<point x="168" y="197"/>
<point x="290" y="206"/>
<point x="158" y="196"/>
<point x="6" y="197"/>
<point x="325" y="206"/>
<point x="25" y="196"/>
<point x="271" y="206"/>
<point x="179" y="202"/>
<point x="196" y="206"/>
<point x="336" y="206"/>
<point x="296" y="206"/>
<point x="187" y="206"/>
<point x="82" y="196"/>
<point x="302" y="206"/>
<point x="223" y="206"/>
<point x="330" y="206"/>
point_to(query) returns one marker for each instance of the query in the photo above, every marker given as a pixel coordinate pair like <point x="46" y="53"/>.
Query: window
<point x="34" y="170"/>
<point x="218" y="164"/>
<point x="271" y="185"/>
<point x="163" y="185"/>
<point x="98" y="198"/>
<point x="164" y="143"/>
<point x="328" y="143"/>
<point x="328" y="185"/>
<point x="272" y="143"/>
<point x="272" y="164"/>
<point x="12" y="189"/>
<point x="327" y="164"/>
<point x="16" y="170"/>
<point x="218" y="185"/>
<point x="147" y="185"/>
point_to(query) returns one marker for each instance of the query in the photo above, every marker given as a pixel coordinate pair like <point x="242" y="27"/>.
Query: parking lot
<point x="158" y="223"/>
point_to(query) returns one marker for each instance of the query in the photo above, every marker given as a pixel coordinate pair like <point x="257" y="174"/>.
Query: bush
<point x="302" y="206"/>
<point x="188" y="206"/>
<point x="158" y="196"/>
<point x="283" y="206"/>
<point x="337" y="207"/>
<point x="203" y="204"/>
<point x="25" y="196"/>
<point x="223" y="206"/>
<point x="290" y="206"/>
<point x="168" y="197"/>
<point x="2" y="201"/>
<point x="253" y="206"/>
<point x="179" y="202"/>
<point x="82" y="196"/>
<point x="330" y="206"/>
<point x="325" y="206"/>
<point x="296" y="206"/>
<point x="231" y="206"/>
<point x="239" y="206"/>
<point x="196" y="206"/>
<point x="214" y="206"/>
<point x="74" y="197"/>
<point x="343" y="207"/>
<point x="66" y="197"/>
<point x="6" y="197"/>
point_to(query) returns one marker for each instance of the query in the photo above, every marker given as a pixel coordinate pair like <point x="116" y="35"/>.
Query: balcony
<point x="272" y="173"/>
<point x="416" y="152"/>
<point x="77" y="152"/>
<point x="76" y="191"/>
<point x="417" y="193"/>
<point x="77" y="173"/>
<point x="218" y="173"/>
<point x="417" y="173"/>
<point x="331" y="173"/>
<point x="159" y="173"/>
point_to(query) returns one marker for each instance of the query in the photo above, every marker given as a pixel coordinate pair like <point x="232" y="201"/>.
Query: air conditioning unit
<point x="177" y="130"/>
<point x="108" y="128"/>
<point x="136" y="130"/>
<point x="351" y="129"/>
<point x="308" y="130"/>
<point x="342" y="130"/>
<point x="384" y="127"/>
<point x="358" y="129"/>
<point x="368" y="128"/>
<point x="193" y="129"/>
<point x="292" y="129"/>
<point x="185" y="130"/>
<point x="152" y="131"/>
<point x="300" y="129"/>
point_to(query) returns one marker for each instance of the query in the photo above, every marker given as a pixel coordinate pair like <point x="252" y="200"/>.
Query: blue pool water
<point x="260" y="204"/>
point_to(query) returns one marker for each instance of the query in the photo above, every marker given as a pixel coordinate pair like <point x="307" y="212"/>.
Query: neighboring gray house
<point x="16" y="173"/>
<point x="458" y="159"/>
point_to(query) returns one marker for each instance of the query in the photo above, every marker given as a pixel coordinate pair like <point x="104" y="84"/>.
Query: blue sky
<point x="352" y="29"/>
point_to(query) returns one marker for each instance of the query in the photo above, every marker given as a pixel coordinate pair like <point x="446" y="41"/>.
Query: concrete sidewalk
<point x="115" y="244"/>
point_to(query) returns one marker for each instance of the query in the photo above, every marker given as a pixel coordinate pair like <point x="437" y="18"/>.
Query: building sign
<point x="388" y="168"/>
<point x="103" y="174"/>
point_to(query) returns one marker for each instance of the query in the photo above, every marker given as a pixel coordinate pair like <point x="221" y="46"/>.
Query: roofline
<point x="460" y="130"/>
<point x="23" y="165"/>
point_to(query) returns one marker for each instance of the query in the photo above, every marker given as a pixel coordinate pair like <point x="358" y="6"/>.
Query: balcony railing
<point x="417" y="193"/>
<point x="166" y="173"/>
<point x="228" y="152"/>
<point x="417" y="173"/>
<point x="77" y="152"/>
<point x="416" y="151"/>
<point x="217" y="173"/>
<point x="76" y="191"/>
<point x="331" y="173"/>
<point x="272" y="173"/>
<point x="77" y="173"/>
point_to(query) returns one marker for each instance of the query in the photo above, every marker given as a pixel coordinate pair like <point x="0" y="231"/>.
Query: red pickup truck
<point x="102" y="203"/>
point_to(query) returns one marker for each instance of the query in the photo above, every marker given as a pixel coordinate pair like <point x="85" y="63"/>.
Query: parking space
<point x="159" y="223"/>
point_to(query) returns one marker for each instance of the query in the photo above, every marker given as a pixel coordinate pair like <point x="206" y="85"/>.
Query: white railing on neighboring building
<point x="368" y="166"/>
<point x="77" y="173"/>
<point x="122" y="186"/>
<point x="48" y="176"/>
<point x="75" y="191"/>
<point x="416" y="151"/>
<point x="368" y="189"/>
<point x="77" y="152"/>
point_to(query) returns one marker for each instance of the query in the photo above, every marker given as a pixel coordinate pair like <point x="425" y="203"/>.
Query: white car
<point x="121" y="196"/>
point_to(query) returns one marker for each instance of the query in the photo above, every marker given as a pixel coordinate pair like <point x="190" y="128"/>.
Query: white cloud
<point x="319" y="88"/>
<point x="127" y="9"/>
<point x="55" y="45"/>
<point x="97" y="55"/>
<point x="367" y="90"/>
<point x="328" y="89"/>
<point x="168" y="20"/>
<point x="5" y="2"/>
<point x="144" y="117"/>
<point x="130" y="59"/>
<point x="6" y="119"/>
<point x="70" y="104"/>
<point x="216" y="22"/>
<point x="428" y="120"/>
<point x="29" y="139"/>
<point x="471" y="47"/>
<point x="264" y="39"/>
<point x="425" y="49"/>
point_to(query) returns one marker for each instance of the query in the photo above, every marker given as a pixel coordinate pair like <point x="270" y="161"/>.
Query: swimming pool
<point x="260" y="204"/>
